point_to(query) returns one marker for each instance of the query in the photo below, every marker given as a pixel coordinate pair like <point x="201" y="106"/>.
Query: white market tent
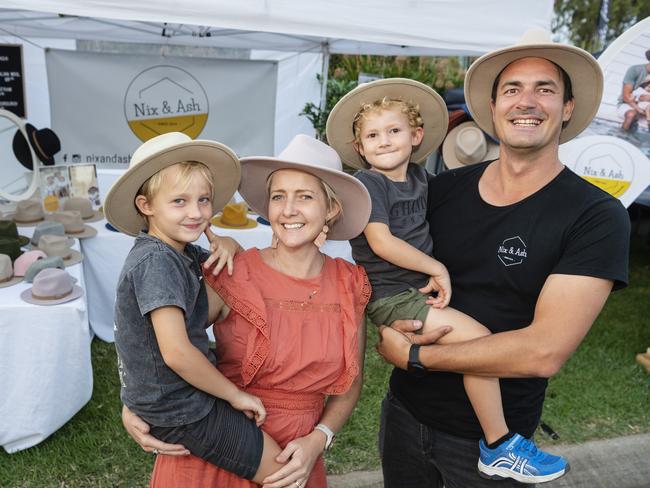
<point x="387" y="27"/>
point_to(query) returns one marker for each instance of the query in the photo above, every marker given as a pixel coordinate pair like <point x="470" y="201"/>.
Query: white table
<point x="45" y="366"/>
<point x="105" y="254"/>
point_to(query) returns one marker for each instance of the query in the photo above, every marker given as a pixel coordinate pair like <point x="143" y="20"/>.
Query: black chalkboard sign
<point x="12" y="88"/>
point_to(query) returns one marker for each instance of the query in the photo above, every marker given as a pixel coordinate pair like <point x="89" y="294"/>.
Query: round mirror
<point x="17" y="182"/>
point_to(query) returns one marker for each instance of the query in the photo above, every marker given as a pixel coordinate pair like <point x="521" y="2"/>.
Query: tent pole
<point x="325" y="50"/>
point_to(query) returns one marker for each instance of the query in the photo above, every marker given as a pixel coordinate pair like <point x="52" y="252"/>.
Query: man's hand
<point x="394" y="345"/>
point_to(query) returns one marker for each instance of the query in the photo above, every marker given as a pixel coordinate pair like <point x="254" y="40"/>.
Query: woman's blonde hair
<point x="331" y="198"/>
<point x="411" y="110"/>
<point x="187" y="170"/>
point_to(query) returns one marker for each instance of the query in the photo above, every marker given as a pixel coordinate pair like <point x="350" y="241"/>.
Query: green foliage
<point x="439" y="73"/>
<point x="579" y="19"/>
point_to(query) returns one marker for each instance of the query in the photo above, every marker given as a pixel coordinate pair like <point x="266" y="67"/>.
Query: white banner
<point x="104" y="106"/>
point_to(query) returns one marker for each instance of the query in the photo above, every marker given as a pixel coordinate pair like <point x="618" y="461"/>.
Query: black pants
<point x="416" y="456"/>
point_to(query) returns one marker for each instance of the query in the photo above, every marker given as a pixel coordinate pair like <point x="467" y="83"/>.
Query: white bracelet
<point x="329" y="434"/>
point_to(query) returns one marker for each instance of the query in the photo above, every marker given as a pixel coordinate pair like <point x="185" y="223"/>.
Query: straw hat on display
<point x="60" y="246"/>
<point x="28" y="212"/>
<point x="466" y="144"/>
<point x="307" y="154"/>
<point x="8" y="276"/>
<point x="159" y="153"/>
<point x="583" y="70"/>
<point x="73" y="224"/>
<point x="234" y="216"/>
<point x="339" y="130"/>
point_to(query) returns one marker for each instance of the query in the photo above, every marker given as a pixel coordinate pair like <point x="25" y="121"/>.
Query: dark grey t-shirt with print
<point x="155" y="275"/>
<point x="402" y="206"/>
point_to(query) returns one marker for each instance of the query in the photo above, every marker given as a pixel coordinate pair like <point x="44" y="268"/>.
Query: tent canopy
<point x="388" y="27"/>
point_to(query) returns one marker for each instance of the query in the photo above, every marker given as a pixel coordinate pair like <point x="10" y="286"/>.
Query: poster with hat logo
<point x="613" y="152"/>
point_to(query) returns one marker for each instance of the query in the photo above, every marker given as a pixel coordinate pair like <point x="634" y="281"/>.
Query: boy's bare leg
<point x="484" y="392"/>
<point x="268" y="464"/>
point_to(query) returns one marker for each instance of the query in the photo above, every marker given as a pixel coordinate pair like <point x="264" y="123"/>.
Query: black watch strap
<point x="415" y="367"/>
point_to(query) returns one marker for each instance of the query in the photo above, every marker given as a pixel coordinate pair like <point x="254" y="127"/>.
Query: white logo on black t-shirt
<point x="512" y="251"/>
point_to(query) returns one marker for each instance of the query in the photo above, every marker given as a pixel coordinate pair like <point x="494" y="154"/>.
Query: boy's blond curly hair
<point x="410" y="109"/>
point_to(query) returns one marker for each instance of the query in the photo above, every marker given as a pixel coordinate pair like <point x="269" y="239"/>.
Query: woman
<point x="294" y="333"/>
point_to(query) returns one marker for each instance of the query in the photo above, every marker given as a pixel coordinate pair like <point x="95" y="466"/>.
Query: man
<point x="628" y="105"/>
<point x="533" y="252"/>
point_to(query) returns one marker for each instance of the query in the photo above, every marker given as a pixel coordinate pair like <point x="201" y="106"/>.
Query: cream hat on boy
<point x="340" y="134"/>
<point x="157" y="154"/>
<point x="84" y="207"/>
<point x="7" y="275"/>
<point x="466" y="144"/>
<point x="307" y="154"/>
<point x="583" y="70"/>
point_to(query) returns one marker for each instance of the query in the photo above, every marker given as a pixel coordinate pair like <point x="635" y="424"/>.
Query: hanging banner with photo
<point x="105" y="105"/>
<point x="613" y="152"/>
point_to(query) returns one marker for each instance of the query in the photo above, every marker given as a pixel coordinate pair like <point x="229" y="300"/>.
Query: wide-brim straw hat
<point x="583" y="70"/>
<point x="304" y="153"/>
<point x="234" y="216"/>
<point x="466" y="144"/>
<point x="159" y="153"/>
<point x="339" y="128"/>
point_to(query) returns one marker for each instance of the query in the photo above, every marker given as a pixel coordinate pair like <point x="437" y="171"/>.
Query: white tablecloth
<point x="45" y="368"/>
<point x="105" y="254"/>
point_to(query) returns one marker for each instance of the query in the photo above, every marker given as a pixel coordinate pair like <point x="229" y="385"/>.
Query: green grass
<point x="601" y="392"/>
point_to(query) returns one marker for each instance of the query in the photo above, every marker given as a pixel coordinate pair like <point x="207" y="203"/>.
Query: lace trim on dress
<point x="294" y="305"/>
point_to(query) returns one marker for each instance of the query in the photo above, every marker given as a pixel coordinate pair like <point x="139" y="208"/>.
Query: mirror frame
<point x="20" y="123"/>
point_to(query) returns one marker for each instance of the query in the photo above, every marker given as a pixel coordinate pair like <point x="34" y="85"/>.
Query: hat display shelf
<point x="13" y="172"/>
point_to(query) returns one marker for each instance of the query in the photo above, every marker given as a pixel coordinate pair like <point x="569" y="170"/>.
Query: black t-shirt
<point x="499" y="259"/>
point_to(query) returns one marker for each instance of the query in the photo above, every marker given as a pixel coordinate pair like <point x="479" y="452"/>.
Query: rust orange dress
<point x="289" y="341"/>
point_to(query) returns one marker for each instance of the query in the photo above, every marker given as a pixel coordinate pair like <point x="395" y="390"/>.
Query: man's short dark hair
<point x="566" y="81"/>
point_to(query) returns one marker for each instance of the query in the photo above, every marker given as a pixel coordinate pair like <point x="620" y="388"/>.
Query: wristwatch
<point x="328" y="433"/>
<point x="414" y="366"/>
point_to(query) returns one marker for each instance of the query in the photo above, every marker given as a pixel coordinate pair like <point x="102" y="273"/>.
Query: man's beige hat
<point x="583" y="70"/>
<point x="60" y="246"/>
<point x="159" y="153"/>
<point x="28" y="212"/>
<point x="466" y="144"/>
<point x="304" y="153"/>
<point x="339" y="130"/>
<point x="84" y="207"/>
<point x="73" y="224"/>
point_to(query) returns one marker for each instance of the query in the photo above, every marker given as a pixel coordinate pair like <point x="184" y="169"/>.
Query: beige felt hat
<point x="60" y="246"/>
<point x="28" y="212"/>
<point x="7" y="275"/>
<point x="432" y="107"/>
<point x="84" y="207"/>
<point x="307" y="154"/>
<point x="51" y="287"/>
<point x="583" y="70"/>
<point x="73" y="224"/>
<point x="234" y="216"/>
<point x="466" y="144"/>
<point x="157" y="154"/>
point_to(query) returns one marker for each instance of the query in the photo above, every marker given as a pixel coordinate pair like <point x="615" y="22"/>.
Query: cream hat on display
<point x="307" y="154"/>
<point x="466" y="144"/>
<point x="84" y="207"/>
<point x="28" y="212"/>
<point x="159" y="153"/>
<point x="60" y="246"/>
<point x="583" y="70"/>
<point x="73" y="224"/>
<point x="340" y="134"/>
<point x="7" y="275"/>
<point x="51" y="287"/>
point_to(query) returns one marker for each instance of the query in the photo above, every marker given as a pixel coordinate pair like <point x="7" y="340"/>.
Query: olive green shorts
<point x="409" y="304"/>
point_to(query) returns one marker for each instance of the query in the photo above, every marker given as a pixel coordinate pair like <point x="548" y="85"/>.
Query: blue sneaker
<point x="518" y="458"/>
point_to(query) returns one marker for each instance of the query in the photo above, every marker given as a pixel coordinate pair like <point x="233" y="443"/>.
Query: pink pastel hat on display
<point x="24" y="261"/>
<point x="52" y="286"/>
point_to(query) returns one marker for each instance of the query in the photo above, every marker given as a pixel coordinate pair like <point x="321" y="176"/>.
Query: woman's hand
<point x="138" y="429"/>
<point x="223" y="251"/>
<point x="302" y="454"/>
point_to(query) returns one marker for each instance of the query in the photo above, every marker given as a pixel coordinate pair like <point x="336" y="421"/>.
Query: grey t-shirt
<point x="635" y="75"/>
<point x="155" y="275"/>
<point x="403" y="207"/>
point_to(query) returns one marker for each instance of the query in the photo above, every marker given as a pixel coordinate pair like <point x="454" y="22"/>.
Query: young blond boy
<point x="394" y="122"/>
<point x="167" y="370"/>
